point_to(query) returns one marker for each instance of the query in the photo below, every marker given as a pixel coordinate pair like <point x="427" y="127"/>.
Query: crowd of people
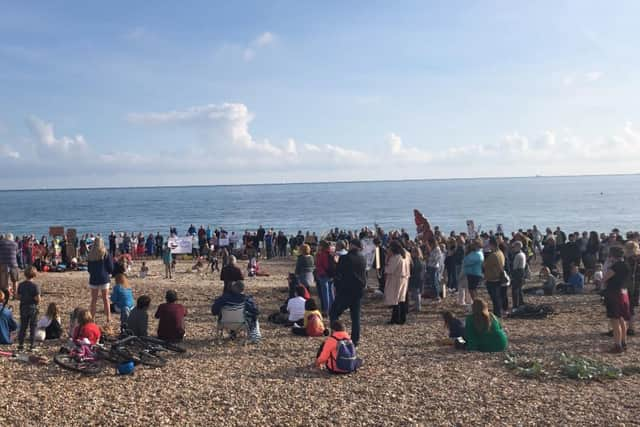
<point x="431" y="265"/>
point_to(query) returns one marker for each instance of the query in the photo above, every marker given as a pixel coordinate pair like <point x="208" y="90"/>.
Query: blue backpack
<point x="346" y="360"/>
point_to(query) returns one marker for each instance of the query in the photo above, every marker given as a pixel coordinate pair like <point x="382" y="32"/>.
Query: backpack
<point x="346" y="360"/>
<point x="315" y="327"/>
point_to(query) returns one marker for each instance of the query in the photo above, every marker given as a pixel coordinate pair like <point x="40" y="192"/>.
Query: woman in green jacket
<point x="483" y="331"/>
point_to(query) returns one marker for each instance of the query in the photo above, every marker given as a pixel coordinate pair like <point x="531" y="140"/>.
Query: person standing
<point x="100" y="267"/>
<point x="159" y="245"/>
<point x="570" y="255"/>
<point x="325" y="269"/>
<point x="304" y="266"/>
<point x="472" y="267"/>
<point x="518" y="270"/>
<point x="29" y="294"/>
<point x="350" y="283"/>
<point x="493" y="272"/>
<point x="8" y="265"/>
<point x="112" y="244"/>
<point x="397" y="272"/>
<point x="616" y="298"/>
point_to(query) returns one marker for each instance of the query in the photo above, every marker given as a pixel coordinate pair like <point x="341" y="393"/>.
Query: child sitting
<point x="49" y="327"/>
<point x="337" y="353"/>
<point x="296" y="306"/>
<point x="575" y="283"/>
<point x="7" y="322"/>
<point x="138" y="322"/>
<point x="144" y="270"/>
<point x="122" y="299"/>
<point x="171" y="316"/>
<point x="86" y="328"/>
<point x="313" y="325"/>
<point x="598" y="276"/>
<point x="454" y="326"/>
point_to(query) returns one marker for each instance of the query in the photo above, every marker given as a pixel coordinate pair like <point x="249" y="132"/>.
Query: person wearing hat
<point x="350" y="282"/>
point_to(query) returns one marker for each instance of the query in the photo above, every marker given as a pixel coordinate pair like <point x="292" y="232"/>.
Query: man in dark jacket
<point x="230" y="273"/>
<point x="8" y="264"/>
<point x="570" y="255"/>
<point x="350" y="282"/>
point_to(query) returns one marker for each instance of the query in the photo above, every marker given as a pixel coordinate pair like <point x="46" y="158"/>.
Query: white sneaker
<point x="378" y="292"/>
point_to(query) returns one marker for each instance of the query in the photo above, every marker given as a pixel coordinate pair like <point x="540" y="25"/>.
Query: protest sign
<point x="180" y="245"/>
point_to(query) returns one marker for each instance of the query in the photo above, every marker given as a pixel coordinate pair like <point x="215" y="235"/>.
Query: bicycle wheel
<point x="72" y="363"/>
<point x="165" y="344"/>
<point x="111" y="355"/>
<point x="151" y="360"/>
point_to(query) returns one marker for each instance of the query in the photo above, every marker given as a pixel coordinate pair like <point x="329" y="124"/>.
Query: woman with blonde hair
<point x="100" y="267"/>
<point x="305" y="266"/>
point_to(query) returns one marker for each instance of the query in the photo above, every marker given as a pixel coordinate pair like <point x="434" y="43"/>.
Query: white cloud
<point x="575" y="79"/>
<point x="411" y="154"/>
<point x="8" y="152"/>
<point x="262" y="41"/>
<point x="46" y="139"/>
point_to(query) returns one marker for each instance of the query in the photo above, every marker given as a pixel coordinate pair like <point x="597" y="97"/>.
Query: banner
<point x="180" y="245"/>
<point x="56" y="231"/>
<point x="223" y="242"/>
<point x="471" y="229"/>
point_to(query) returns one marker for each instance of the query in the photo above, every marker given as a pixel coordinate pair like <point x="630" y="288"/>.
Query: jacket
<point x="230" y="298"/>
<point x="493" y="340"/>
<point x="329" y="350"/>
<point x="494" y="266"/>
<point x="397" y="273"/>
<point x="8" y="253"/>
<point x="472" y="263"/>
<point x="122" y="297"/>
<point x="7" y="325"/>
<point x="100" y="271"/>
<point x="304" y="264"/>
<point x="350" y="280"/>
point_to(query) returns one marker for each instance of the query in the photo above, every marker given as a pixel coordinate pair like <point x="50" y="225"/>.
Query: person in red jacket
<point x="328" y="352"/>
<point x="325" y="270"/>
<point x="171" y="315"/>
<point x="86" y="328"/>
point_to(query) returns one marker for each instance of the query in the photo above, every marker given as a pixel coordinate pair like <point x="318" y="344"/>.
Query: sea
<point x="578" y="203"/>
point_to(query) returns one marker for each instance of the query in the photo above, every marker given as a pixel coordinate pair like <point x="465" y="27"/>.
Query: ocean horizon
<point x="577" y="203"/>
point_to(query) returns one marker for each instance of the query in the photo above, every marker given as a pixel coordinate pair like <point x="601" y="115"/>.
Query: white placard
<point x="180" y="245"/>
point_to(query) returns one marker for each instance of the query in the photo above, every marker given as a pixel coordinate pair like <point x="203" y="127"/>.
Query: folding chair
<point x="232" y="320"/>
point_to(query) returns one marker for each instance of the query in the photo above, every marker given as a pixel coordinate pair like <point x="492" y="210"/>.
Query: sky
<point x="120" y="93"/>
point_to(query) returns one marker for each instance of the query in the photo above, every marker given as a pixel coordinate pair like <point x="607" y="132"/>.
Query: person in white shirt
<point x="598" y="276"/>
<point x="295" y="306"/>
<point x="518" y="270"/>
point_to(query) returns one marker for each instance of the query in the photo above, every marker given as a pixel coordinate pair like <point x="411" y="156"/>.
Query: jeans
<point x="354" y="304"/>
<point x="325" y="293"/>
<point x="416" y="296"/>
<point x="124" y="317"/>
<point x="452" y="277"/>
<point x="28" y="319"/>
<point x="517" y="281"/>
<point x="495" y="291"/>
<point x="433" y="277"/>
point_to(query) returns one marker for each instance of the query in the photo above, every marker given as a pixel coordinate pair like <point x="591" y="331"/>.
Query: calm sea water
<point x="574" y="203"/>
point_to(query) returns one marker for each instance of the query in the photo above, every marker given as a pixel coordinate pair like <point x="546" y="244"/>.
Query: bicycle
<point x="80" y="359"/>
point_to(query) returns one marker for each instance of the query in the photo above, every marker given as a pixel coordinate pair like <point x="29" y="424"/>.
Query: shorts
<point x="8" y="274"/>
<point x="473" y="282"/>
<point x="100" y="287"/>
<point x="617" y="303"/>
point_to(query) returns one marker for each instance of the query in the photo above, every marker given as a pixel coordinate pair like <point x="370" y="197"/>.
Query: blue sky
<point x="134" y="93"/>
